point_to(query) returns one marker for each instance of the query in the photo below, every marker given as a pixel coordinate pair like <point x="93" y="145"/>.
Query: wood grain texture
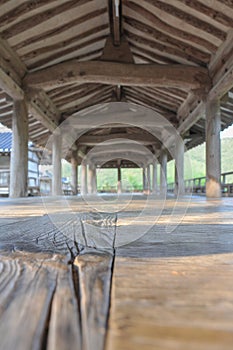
<point x="25" y="312"/>
<point x="39" y="278"/>
<point x="51" y="32"/>
<point x="178" y="303"/>
<point x="35" y="19"/>
<point x="167" y="28"/>
<point x="64" y="329"/>
<point x="189" y="18"/>
<point x="168" y="291"/>
<point x="94" y="271"/>
<point x="59" y="233"/>
<point x="119" y="73"/>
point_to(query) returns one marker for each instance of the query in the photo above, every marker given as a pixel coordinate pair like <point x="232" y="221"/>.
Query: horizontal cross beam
<point x="112" y="73"/>
<point x="92" y="140"/>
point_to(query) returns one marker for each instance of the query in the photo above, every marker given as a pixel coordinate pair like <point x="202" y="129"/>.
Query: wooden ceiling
<point x="38" y="37"/>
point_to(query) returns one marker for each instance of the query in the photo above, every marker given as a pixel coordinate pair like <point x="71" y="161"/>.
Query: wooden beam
<point x="153" y="33"/>
<point x="192" y="118"/>
<point x="39" y="114"/>
<point x="78" y="94"/>
<point x="123" y="149"/>
<point x="98" y="98"/>
<point x="38" y="18"/>
<point x="188" y="105"/>
<point x="37" y="133"/>
<point x="189" y="18"/>
<point x="115" y="19"/>
<point x="216" y="15"/>
<point x="11" y="71"/>
<point x="48" y="33"/>
<point x="46" y="61"/>
<point x="167" y="102"/>
<point x="189" y="77"/>
<point x="149" y="103"/>
<point x="109" y="156"/>
<point x="165" y="49"/>
<point x="175" y="94"/>
<point x="221" y="69"/>
<point x="92" y="140"/>
<point x="224" y="84"/>
<point x="120" y="53"/>
<point x="43" y="109"/>
<point x="10" y="86"/>
<point x="149" y="55"/>
<point x="10" y="62"/>
<point x="49" y="104"/>
<point x="167" y="28"/>
<point x="218" y="62"/>
<point x="64" y="44"/>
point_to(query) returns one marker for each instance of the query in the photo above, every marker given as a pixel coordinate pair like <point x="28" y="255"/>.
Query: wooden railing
<point x="197" y="185"/>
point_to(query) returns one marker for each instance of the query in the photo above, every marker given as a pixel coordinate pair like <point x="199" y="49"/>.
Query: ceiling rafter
<point x="189" y="18"/>
<point x="35" y="19"/>
<point x="173" y="31"/>
<point x="48" y="34"/>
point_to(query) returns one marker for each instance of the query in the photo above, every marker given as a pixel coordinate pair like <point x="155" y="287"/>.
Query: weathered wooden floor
<point x="116" y="276"/>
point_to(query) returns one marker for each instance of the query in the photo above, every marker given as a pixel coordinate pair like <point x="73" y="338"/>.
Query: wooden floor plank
<point x="172" y="303"/>
<point x="23" y="318"/>
<point x="170" y="289"/>
<point x="95" y="272"/>
<point x="64" y="331"/>
<point x="59" y="233"/>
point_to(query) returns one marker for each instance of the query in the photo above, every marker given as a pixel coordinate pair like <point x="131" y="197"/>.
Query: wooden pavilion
<point x="95" y="275"/>
<point x="59" y="57"/>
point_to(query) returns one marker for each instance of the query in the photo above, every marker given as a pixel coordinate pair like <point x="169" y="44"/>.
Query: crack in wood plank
<point x="55" y="281"/>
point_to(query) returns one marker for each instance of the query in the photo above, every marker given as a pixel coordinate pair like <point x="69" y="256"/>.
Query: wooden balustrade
<point x="197" y="185"/>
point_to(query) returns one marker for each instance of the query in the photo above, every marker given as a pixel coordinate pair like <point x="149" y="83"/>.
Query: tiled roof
<point x="5" y="141"/>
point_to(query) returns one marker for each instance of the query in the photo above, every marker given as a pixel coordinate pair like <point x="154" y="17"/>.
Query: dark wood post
<point x="119" y="184"/>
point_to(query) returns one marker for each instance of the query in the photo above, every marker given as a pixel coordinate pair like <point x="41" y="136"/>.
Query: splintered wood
<point x="107" y="281"/>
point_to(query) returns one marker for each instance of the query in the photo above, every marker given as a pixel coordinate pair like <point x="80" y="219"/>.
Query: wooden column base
<point x="213" y="189"/>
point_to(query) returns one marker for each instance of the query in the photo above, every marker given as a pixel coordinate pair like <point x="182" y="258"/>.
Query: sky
<point x="227" y="132"/>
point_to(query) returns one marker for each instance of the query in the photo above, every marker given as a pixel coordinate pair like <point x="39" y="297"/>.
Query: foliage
<point x="194" y="166"/>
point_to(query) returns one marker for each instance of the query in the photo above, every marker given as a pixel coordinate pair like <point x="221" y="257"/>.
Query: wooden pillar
<point x="56" y="161"/>
<point x="74" y="173"/>
<point x="179" y="167"/>
<point x="83" y="179"/>
<point x="119" y="183"/>
<point x="144" y="179"/>
<point x="148" y="179"/>
<point x="163" y="172"/>
<point x="154" y="182"/>
<point x="213" y="152"/>
<point x="19" y="154"/>
<point x="92" y="179"/>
